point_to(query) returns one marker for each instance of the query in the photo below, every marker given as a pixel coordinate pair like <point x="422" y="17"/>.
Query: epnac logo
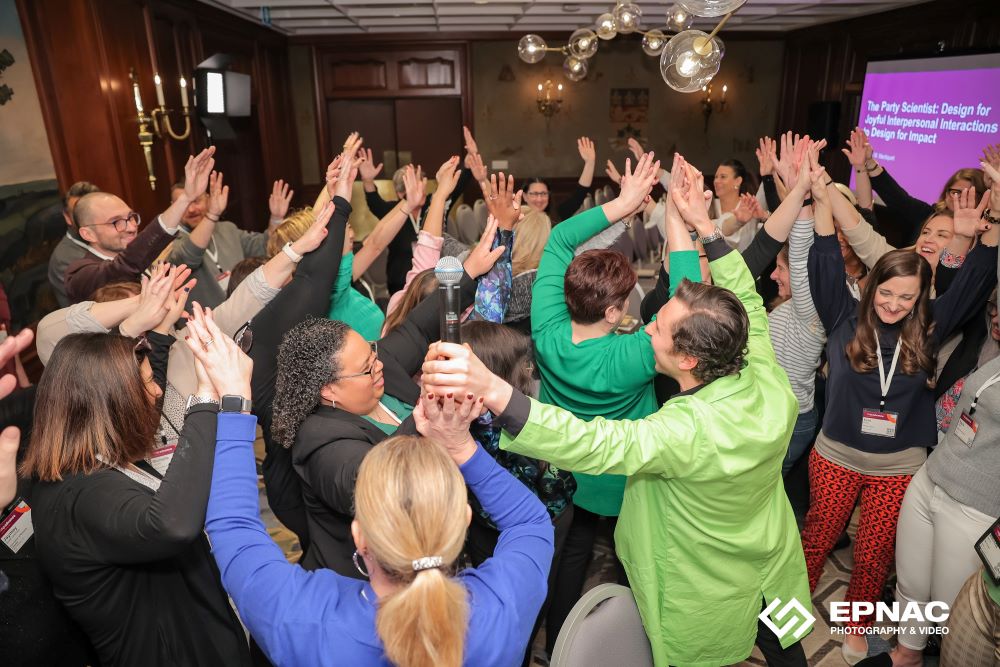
<point x="795" y="618"/>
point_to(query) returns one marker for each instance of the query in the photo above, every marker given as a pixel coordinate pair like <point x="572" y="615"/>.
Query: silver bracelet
<point x="714" y="236"/>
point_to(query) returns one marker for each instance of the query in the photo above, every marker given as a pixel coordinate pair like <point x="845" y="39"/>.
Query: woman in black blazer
<point x="337" y="396"/>
<point x="124" y="546"/>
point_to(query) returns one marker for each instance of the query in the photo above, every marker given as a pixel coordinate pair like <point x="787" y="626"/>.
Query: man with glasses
<point x="70" y="247"/>
<point x="117" y="249"/>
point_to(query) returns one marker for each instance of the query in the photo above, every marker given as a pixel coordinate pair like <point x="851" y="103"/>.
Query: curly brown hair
<point x="307" y="362"/>
<point x="714" y="332"/>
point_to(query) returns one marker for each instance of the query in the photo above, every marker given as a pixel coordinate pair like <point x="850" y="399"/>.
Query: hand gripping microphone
<point x="449" y="273"/>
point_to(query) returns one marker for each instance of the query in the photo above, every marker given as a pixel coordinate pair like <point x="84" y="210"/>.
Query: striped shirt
<point x="797" y="333"/>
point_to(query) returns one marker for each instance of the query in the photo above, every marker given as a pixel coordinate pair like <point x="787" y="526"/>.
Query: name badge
<point x="966" y="428"/>
<point x="161" y="457"/>
<point x="876" y="422"/>
<point x="15" y="526"/>
<point x="988" y="548"/>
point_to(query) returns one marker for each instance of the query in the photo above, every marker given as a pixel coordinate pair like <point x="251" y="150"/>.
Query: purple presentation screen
<point x="928" y="118"/>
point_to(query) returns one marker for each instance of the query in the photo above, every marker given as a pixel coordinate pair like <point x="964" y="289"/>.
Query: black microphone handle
<point x="451" y="313"/>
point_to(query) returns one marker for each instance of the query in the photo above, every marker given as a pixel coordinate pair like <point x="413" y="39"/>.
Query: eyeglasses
<point x="244" y="338"/>
<point x="142" y="348"/>
<point x="120" y="224"/>
<point x="543" y="193"/>
<point x="371" y="369"/>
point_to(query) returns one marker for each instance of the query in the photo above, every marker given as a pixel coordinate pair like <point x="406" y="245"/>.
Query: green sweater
<point x="351" y="307"/>
<point x="610" y="376"/>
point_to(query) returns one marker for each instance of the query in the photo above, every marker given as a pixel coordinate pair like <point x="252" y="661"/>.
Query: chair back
<point x="482" y="215"/>
<point x="465" y="223"/>
<point x="603" y="628"/>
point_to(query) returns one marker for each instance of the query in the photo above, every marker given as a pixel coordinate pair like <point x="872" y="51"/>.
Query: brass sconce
<point x="549" y="104"/>
<point x="161" y="117"/>
<point x="145" y="136"/>
<point x="707" y="105"/>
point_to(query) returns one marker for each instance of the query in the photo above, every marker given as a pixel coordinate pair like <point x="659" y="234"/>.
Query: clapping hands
<point x="221" y="367"/>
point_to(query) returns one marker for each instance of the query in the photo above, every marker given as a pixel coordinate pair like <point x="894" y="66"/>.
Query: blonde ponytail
<point x="411" y="503"/>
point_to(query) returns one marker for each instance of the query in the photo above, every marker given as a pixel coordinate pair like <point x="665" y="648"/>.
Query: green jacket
<point x="706" y="532"/>
<point x="610" y="376"/>
<point x="353" y="308"/>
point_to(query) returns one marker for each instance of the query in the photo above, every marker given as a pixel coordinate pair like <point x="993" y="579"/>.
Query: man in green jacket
<point x="706" y="533"/>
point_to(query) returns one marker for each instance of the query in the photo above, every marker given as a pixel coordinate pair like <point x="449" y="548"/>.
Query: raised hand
<point x="587" y="150"/>
<point x="416" y="185"/>
<point x="280" y="199"/>
<point x="367" y="167"/>
<point x="767" y="156"/>
<point x="9" y="348"/>
<point x="635" y="187"/>
<point x="445" y="420"/>
<point x="690" y="198"/>
<point x="218" y="195"/>
<point x="857" y="149"/>
<point x="175" y="302"/>
<point x="502" y="201"/>
<point x="991" y="167"/>
<point x="348" y="173"/>
<point x="332" y="174"/>
<point x="474" y="163"/>
<point x="746" y="208"/>
<point x="152" y="299"/>
<point x="482" y="259"/>
<point x="968" y="217"/>
<point x="316" y="233"/>
<point x="197" y="171"/>
<point x="470" y="142"/>
<point x="225" y="365"/>
<point x="637" y="150"/>
<point x="453" y="369"/>
<point x="612" y="171"/>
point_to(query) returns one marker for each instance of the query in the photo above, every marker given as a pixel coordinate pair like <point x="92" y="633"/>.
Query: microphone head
<point x="449" y="271"/>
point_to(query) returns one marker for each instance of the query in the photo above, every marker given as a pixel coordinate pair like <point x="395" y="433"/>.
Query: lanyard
<point x="884" y="381"/>
<point x="137" y="475"/>
<point x="986" y="385"/>
<point x="390" y="413"/>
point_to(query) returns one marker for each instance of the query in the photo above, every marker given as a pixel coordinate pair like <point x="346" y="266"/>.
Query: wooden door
<point x="430" y="129"/>
<point x="374" y="119"/>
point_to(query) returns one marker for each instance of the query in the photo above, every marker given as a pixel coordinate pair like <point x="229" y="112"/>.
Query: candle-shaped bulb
<point x="184" y="93"/>
<point x="560" y="87"/>
<point x="539" y="87"/>
<point x="138" y="97"/>
<point x="724" y="89"/>
<point x="159" y="90"/>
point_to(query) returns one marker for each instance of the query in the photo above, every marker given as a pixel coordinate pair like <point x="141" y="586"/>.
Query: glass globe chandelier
<point x="688" y="60"/>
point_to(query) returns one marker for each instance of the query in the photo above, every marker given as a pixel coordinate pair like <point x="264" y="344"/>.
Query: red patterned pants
<point x="833" y="492"/>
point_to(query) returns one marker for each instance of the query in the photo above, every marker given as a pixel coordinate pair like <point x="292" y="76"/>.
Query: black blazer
<point x="134" y="567"/>
<point x="331" y="442"/>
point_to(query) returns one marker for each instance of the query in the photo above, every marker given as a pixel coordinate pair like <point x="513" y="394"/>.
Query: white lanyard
<point x="392" y="415"/>
<point x="986" y="385"/>
<point x="884" y="381"/>
<point x="137" y="475"/>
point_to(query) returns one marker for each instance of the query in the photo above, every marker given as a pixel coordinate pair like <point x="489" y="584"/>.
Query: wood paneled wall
<point x="81" y="53"/>
<point x="827" y="63"/>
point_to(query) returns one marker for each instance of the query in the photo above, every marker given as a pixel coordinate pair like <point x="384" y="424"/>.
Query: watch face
<point x="232" y="404"/>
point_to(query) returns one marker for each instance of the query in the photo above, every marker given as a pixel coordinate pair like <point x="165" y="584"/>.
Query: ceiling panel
<point x="317" y="17"/>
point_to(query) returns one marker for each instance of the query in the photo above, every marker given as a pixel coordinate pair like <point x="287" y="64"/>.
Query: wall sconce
<point x="706" y="102"/>
<point x="145" y="136"/>
<point x="549" y="104"/>
<point x="161" y="117"/>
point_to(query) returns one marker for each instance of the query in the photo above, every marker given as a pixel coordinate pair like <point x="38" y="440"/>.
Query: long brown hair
<point x="974" y="176"/>
<point x="410" y="502"/>
<point x="91" y="402"/>
<point x="421" y="287"/>
<point x="916" y="351"/>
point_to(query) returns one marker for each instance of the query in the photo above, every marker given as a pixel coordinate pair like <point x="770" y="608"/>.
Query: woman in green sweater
<point x="576" y="307"/>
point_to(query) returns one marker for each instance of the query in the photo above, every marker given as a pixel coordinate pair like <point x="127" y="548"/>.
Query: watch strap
<point x="194" y="400"/>
<point x="714" y="236"/>
<point x="290" y="252"/>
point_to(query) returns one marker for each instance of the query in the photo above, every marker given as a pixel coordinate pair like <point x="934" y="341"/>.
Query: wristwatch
<point x="714" y="236"/>
<point x="194" y="400"/>
<point x="231" y="403"/>
<point x="290" y="252"/>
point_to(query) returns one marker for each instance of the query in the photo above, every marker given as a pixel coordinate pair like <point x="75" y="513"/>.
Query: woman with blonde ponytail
<point x="411" y="517"/>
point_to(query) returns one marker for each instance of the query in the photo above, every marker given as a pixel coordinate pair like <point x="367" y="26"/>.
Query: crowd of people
<point x="447" y="498"/>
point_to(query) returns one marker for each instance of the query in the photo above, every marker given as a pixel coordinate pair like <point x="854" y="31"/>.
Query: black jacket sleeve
<point x="130" y="526"/>
<point x="657" y="297"/>
<point x="307" y="294"/>
<point x="568" y="208"/>
<point x="968" y="292"/>
<point x="159" y="355"/>
<point x="408" y="342"/>
<point x="763" y="250"/>
<point x="771" y="193"/>
<point x="378" y="206"/>
<point x="911" y="210"/>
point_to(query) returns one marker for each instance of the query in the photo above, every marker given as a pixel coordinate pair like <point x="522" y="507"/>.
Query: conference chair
<point x="482" y="214"/>
<point x="599" y="197"/>
<point x="465" y="222"/>
<point x="603" y="628"/>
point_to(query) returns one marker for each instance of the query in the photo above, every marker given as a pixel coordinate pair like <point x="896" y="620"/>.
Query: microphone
<point x="449" y="273"/>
